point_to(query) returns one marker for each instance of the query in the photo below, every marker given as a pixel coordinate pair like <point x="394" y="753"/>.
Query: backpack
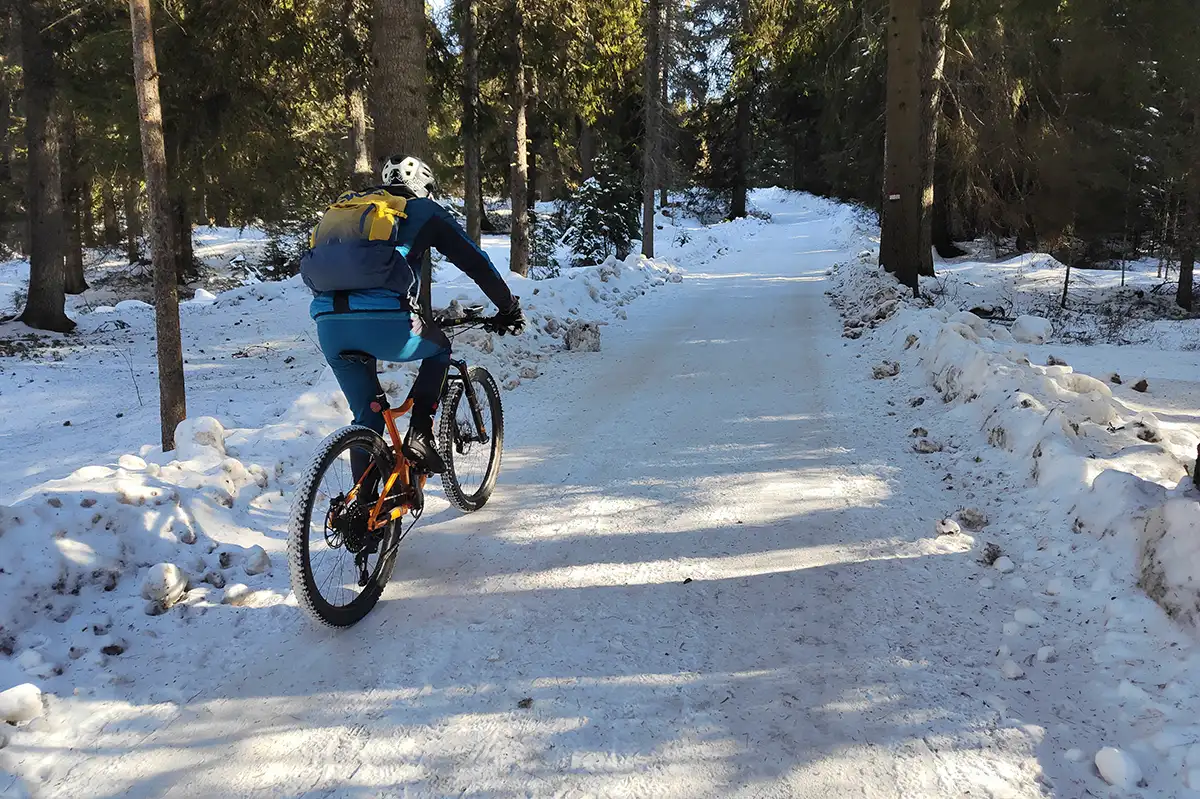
<point x="359" y="216"/>
<point x="353" y="247"/>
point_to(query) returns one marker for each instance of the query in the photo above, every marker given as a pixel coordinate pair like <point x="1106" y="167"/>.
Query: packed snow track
<point x="709" y="570"/>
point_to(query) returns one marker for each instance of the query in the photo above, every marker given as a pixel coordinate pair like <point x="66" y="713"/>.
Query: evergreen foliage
<point x="603" y="215"/>
<point x="1068" y="126"/>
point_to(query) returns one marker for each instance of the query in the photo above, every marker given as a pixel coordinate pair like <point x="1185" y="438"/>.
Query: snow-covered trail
<point x="703" y="565"/>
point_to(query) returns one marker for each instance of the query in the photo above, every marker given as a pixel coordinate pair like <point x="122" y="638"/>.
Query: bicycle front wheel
<point x="472" y="460"/>
<point x="338" y="566"/>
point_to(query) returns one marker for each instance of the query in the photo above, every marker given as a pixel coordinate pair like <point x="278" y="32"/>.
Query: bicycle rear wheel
<point x="339" y="567"/>
<point x="472" y="465"/>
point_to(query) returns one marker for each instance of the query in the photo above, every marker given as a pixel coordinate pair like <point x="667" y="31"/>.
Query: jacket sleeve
<point x="449" y="238"/>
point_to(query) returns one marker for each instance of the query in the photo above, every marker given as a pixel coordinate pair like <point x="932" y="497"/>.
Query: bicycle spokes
<point x="473" y="452"/>
<point x="343" y="549"/>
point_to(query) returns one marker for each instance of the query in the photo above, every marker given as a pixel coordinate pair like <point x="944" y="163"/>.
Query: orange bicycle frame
<point x="401" y="473"/>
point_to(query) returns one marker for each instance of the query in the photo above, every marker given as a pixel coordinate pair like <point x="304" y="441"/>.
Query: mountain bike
<point x="348" y="517"/>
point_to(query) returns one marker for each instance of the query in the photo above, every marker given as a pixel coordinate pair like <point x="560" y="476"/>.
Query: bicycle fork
<point x="472" y="399"/>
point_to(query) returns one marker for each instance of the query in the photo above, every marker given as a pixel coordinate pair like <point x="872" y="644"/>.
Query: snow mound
<point x="199" y="438"/>
<point x="201" y="297"/>
<point x="1032" y="330"/>
<point x="1118" y="768"/>
<point x="176" y="535"/>
<point x="583" y="337"/>
<point x="1066" y="426"/>
<point x="1117" y="473"/>
<point x="257" y="561"/>
<point x="132" y="305"/>
<point x="165" y="583"/>
<point x="1170" y="557"/>
<point x="20" y="704"/>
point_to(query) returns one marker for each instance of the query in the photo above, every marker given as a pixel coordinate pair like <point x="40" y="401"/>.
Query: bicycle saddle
<point x="355" y="356"/>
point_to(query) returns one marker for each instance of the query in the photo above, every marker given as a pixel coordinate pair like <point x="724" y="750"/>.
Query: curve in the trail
<point x="704" y="574"/>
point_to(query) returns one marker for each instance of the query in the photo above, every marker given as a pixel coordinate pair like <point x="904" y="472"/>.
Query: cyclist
<point x="365" y="290"/>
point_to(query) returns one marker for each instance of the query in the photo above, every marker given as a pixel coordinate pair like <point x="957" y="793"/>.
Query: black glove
<point x="511" y="322"/>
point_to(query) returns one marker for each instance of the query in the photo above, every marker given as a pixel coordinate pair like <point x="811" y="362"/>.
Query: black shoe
<point x="420" y="447"/>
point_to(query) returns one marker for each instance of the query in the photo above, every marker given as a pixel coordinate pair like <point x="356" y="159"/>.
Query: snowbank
<point x="1170" y="555"/>
<point x="149" y="534"/>
<point x="1106" y="483"/>
<point x="1066" y="430"/>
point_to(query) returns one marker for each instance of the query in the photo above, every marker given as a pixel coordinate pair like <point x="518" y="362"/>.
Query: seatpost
<point x="380" y="403"/>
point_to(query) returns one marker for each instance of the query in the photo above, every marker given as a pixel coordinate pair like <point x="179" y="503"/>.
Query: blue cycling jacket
<point x="426" y="225"/>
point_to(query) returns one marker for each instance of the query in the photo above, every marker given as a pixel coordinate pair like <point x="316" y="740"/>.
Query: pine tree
<point x="742" y="122"/>
<point x="133" y="221"/>
<point x="9" y="34"/>
<point x="519" y="185"/>
<point x="916" y="48"/>
<point x="665" y="48"/>
<point x="45" y="307"/>
<point x="171" y="390"/>
<point x="650" y="144"/>
<point x="354" y="56"/>
<point x="602" y="216"/>
<point x="472" y="177"/>
<point x="71" y="165"/>
<point x="1184" y="293"/>
<point x="398" y="91"/>
<point x="110" y="223"/>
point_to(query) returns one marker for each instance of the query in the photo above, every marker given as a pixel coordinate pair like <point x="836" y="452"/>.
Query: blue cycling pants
<point x="395" y="336"/>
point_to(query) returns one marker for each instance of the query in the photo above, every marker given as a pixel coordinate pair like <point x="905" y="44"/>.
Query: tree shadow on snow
<point x="721" y="596"/>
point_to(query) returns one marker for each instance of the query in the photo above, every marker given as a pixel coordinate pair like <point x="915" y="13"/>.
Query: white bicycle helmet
<point x="413" y="173"/>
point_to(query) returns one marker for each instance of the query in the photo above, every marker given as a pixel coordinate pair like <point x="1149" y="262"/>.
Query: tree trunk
<point x="399" y="110"/>
<point x="89" y="212"/>
<point x="485" y="222"/>
<point x="72" y="190"/>
<point x="360" y="153"/>
<point x="11" y="220"/>
<point x="587" y="151"/>
<point x="741" y="158"/>
<point x="398" y="88"/>
<point x="533" y="140"/>
<point x="650" y="99"/>
<point x="133" y="221"/>
<point x="181" y="236"/>
<point x="45" y="306"/>
<point x="110" y="224"/>
<point x="531" y="192"/>
<point x="664" y="70"/>
<point x="1187" y="263"/>
<point x="934" y="16"/>
<point x="941" y="222"/>
<point x="550" y="178"/>
<point x="472" y="177"/>
<point x="217" y="203"/>
<point x="6" y="142"/>
<point x="916" y="53"/>
<point x="202" y="199"/>
<point x="742" y="122"/>
<point x="1188" y="235"/>
<point x="519" y="184"/>
<point x="171" y="391"/>
<point x="179" y="232"/>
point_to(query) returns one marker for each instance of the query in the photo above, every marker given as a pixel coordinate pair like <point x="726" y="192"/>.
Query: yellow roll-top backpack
<point x="360" y="216"/>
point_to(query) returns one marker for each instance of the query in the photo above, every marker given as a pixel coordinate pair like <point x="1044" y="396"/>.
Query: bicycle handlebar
<point x="470" y="316"/>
